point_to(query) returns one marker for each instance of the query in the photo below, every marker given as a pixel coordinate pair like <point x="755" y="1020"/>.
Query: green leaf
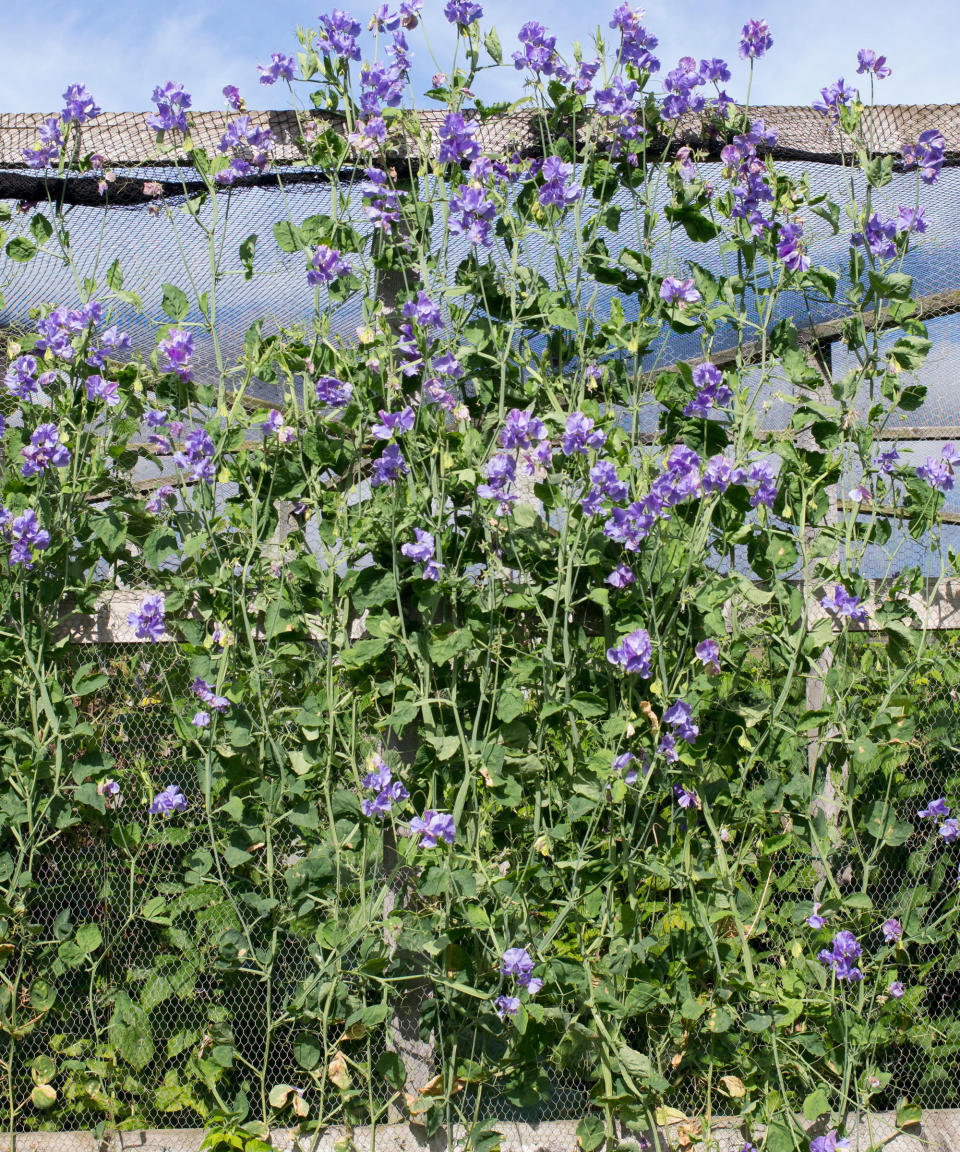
<point x="110" y="528"/>
<point x="757" y="1023"/>
<point x="307" y="1051"/>
<point x="41" y="229"/>
<point x="21" y="249"/>
<point x="174" y="302"/>
<point x="89" y="938"/>
<point x="248" y="250"/>
<point x="591" y="1132"/>
<point x="816" y="1104"/>
<point x="129" y="1032"/>
<point x="115" y="276"/>
<point x="288" y="236"/>
<point x="159" y="546"/>
<point x="86" y="681"/>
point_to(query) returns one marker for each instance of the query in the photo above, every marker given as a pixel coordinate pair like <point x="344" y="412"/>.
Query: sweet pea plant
<point x="484" y="654"/>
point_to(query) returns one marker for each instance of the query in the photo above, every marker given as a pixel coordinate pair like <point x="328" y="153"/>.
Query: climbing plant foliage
<point x="481" y="658"/>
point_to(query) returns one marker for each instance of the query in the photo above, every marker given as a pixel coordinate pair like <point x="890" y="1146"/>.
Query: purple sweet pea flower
<point x="538" y="52"/>
<point x="790" y="249"/>
<point x="106" y="390"/>
<point x="518" y="963"/>
<point x="197" y="455"/>
<point x="201" y="719"/>
<point x="886" y="461"/>
<point x="148" y="621"/>
<point x="338" y="35"/>
<point x="170" y="800"/>
<point x="633" y="652"/>
<point x="206" y="693"/>
<point x="280" y="68"/>
<point x="685" y="798"/>
<point x="755" y="40"/>
<point x="637" y="44"/>
<point x="841" y="603"/>
<point x="332" y="392"/>
<point x="896" y="989"/>
<point x="938" y="472"/>
<point x="911" y="220"/>
<point x="21" y="377"/>
<point x="892" y="930"/>
<point x="25" y="536"/>
<point x="500" y="472"/>
<point x="841" y="955"/>
<point x="620" y="577"/>
<point x="110" y="791"/>
<point x="462" y="12"/>
<point x="828" y="1143"/>
<point x="868" y="61"/>
<point x="505" y="1005"/>
<point x="174" y="352"/>
<point x="78" y="105"/>
<point x="456" y="139"/>
<point x="950" y="830"/>
<point x="708" y="653"/>
<point x="422" y="549"/>
<point x="172" y="102"/>
<point x="521" y="430"/>
<point x="424" y="311"/>
<point x="44" y="450"/>
<point x="380" y="780"/>
<point x="679" y="292"/>
<point x="326" y="264"/>
<point x="834" y="97"/>
<point x="935" y="809"/>
<point x="926" y="154"/>
<point x="680" y="718"/>
<point x="879" y="236"/>
<point x="231" y="93"/>
<point x="580" y="436"/>
<point x="433" y="826"/>
<point x="394" y="423"/>
<point x="815" y="920"/>
<point x="554" y="190"/>
<point x="623" y="761"/>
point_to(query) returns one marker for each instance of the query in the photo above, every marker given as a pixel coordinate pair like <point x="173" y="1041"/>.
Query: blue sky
<point x="122" y="49"/>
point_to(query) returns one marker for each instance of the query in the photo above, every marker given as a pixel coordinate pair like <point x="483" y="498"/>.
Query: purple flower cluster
<point x="538" y="49"/>
<point x="834" y="97"/>
<point x="106" y="390"/>
<point x="332" y="392"/>
<point x="172" y="102"/>
<point x="711" y="391"/>
<point x="338" y="35"/>
<point x="624" y="760"/>
<point x="280" y="68"/>
<point x="755" y="40"/>
<point x="633" y="653"/>
<point x="389" y="467"/>
<point x="555" y="191"/>
<point x="21" y="377"/>
<point x="938" y="471"/>
<point x="326" y="264"/>
<point x="380" y="780"/>
<point x="45" y="450"/>
<point x="170" y="800"/>
<point x="790" y="248"/>
<point x="197" y="455"/>
<point x="926" y="154"/>
<point x="518" y="963"/>
<point x="580" y="437"/>
<point x="682" y="81"/>
<point x="59" y="328"/>
<point x="815" y="920"/>
<point x="869" y="62"/>
<point x="680" y="718"/>
<point x="620" y="114"/>
<point x="500" y="472"/>
<point x="423" y="550"/>
<point x="383" y="211"/>
<point x="604" y="484"/>
<point x="45" y="152"/>
<point x="434" y="826"/>
<point x="274" y="425"/>
<point x="206" y="694"/>
<point x="842" y="955"/>
<point x="24" y="535"/>
<point x="148" y="621"/>
<point x="79" y="106"/>
<point x="253" y="144"/>
<point x="471" y="213"/>
<point x="462" y="12"/>
<point x="845" y="605"/>
<point x="456" y="139"/>
<point x="111" y="341"/>
<point x="747" y="171"/>
<point x="679" y="480"/>
<point x="174" y="352"/>
<point x="636" y="45"/>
